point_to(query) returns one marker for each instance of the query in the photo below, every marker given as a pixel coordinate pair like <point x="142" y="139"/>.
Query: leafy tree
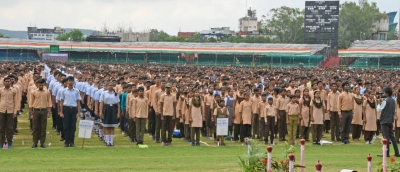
<point x="2" y="36"/>
<point x="394" y="35"/>
<point x="158" y="36"/>
<point x="356" y="23"/>
<point x="73" y="35"/>
<point x="284" y="25"/>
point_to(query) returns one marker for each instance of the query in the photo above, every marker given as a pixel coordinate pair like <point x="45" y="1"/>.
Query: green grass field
<point x="181" y="156"/>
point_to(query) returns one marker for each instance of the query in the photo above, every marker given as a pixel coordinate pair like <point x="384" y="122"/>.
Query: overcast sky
<point x="168" y="15"/>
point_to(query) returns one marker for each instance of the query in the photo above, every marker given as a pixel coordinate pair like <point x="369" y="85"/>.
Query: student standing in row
<point x="332" y="108"/>
<point x="357" y="122"/>
<point x="370" y="117"/>
<point x="304" y="105"/>
<point x="168" y="109"/>
<point x="292" y="117"/>
<point x="140" y="111"/>
<point x="270" y="116"/>
<point x="261" y="111"/>
<point x="195" y="117"/>
<point x="317" y="117"/>
<point x="346" y="107"/>
<point x="283" y="101"/>
<point x="245" y="112"/>
<point x="8" y="111"/>
<point x="70" y="104"/>
<point x="40" y="108"/>
<point x="109" y="113"/>
<point x="220" y="112"/>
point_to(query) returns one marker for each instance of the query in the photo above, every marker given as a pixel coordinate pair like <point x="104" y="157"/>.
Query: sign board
<point x="54" y="48"/>
<point x="58" y="57"/>
<point x="85" y="129"/>
<point x="222" y="126"/>
<point x="321" y="23"/>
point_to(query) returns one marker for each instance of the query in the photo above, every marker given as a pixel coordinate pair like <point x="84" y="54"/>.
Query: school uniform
<point x="397" y="122"/>
<point x="282" y="126"/>
<point x="270" y="116"/>
<point x="123" y="119"/>
<point x="59" y="120"/>
<point x="197" y="121"/>
<point x="318" y="123"/>
<point x="237" y="119"/>
<point x="229" y="103"/>
<point x="140" y="113"/>
<point x="132" y="123"/>
<point x="256" y="115"/>
<point x="208" y="102"/>
<point x="70" y="99"/>
<point x="152" y="113"/>
<point x="333" y="108"/>
<point x="185" y="108"/>
<point x="357" y="122"/>
<point x="40" y="103"/>
<point x="110" y="109"/>
<point x="305" y="118"/>
<point x="8" y="107"/>
<point x="371" y="117"/>
<point x="292" y="111"/>
<point x="245" y="109"/>
<point x="261" y="120"/>
<point x="221" y="113"/>
<point x="167" y="113"/>
<point x="157" y="110"/>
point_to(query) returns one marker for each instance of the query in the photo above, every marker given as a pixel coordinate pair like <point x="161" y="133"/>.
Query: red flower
<point x="265" y="161"/>
<point x="392" y="160"/>
<point x="281" y="161"/>
<point x="287" y="162"/>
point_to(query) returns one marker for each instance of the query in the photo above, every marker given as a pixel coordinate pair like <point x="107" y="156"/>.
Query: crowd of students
<point x="260" y="103"/>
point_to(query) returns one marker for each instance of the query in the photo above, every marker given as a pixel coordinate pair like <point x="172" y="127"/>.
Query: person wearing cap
<point x="168" y="114"/>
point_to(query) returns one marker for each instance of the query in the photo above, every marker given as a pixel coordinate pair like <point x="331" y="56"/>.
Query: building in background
<point x="249" y="24"/>
<point x="392" y="24"/>
<point x="126" y="34"/>
<point x="186" y="34"/>
<point x="46" y="34"/>
<point x="217" y="32"/>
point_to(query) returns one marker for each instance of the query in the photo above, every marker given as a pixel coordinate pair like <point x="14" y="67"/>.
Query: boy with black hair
<point x="282" y="102"/>
<point x="292" y="117"/>
<point x="140" y="109"/>
<point x="256" y="115"/>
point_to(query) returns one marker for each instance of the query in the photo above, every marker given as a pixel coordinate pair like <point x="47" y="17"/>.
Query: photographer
<point x="386" y="105"/>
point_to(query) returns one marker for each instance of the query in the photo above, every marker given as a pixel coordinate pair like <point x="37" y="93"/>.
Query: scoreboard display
<point x="321" y="23"/>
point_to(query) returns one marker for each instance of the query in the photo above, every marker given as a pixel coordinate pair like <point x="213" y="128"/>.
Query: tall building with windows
<point x="45" y="34"/>
<point x="249" y="24"/>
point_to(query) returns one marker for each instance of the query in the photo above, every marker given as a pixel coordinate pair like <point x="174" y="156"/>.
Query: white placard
<point x="86" y="124"/>
<point x="85" y="129"/>
<point x="222" y="126"/>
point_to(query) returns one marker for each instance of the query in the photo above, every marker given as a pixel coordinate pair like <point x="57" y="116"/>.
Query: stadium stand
<point x="373" y="54"/>
<point x="238" y="54"/>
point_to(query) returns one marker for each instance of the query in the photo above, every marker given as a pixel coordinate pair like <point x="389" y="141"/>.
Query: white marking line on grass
<point x="204" y="143"/>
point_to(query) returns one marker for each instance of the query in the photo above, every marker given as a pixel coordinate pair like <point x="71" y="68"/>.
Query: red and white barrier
<point x="384" y="153"/>
<point x="302" y="149"/>
<point x="369" y="158"/>
<point x="269" y="163"/>
<point x="291" y="163"/>
<point x="318" y="167"/>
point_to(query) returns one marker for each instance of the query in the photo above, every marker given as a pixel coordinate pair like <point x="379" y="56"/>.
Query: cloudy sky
<point x="168" y="15"/>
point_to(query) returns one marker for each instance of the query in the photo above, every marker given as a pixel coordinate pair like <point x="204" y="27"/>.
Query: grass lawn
<point x="181" y="156"/>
